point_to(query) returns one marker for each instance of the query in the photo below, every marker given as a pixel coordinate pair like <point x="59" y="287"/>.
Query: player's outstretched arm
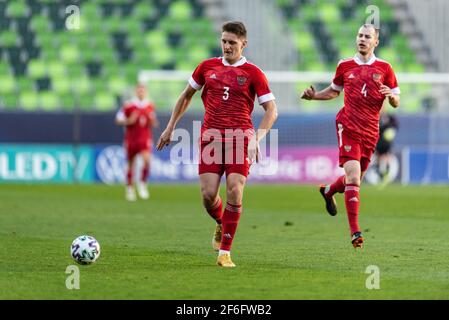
<point x="181" y="106"/>
<point x="325" y="94"/>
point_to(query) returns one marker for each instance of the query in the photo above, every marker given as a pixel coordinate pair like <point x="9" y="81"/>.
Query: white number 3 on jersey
<point x="226" y="93"/>
<point x="364" y="91"/>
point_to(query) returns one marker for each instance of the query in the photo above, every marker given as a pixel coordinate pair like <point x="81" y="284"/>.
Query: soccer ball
<point x="85" y="249"/>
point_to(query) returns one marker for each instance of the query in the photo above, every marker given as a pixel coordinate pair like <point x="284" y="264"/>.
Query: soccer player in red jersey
<point x="138" y="117"/>
<point x="230" y="84"/>
<point x="366" y="81"/>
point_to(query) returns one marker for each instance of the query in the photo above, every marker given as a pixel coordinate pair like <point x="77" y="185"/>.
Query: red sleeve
<point x="127" y="110"/>
<point x="261" y="87"/>
<point x="390" y="80"/>
<point x="197" y="80"/>
<point x="338" y="81"/>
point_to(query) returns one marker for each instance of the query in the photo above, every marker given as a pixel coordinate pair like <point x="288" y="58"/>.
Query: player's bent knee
<point x="353" y="179"/>
<point x="234" y="193"/>
<point x="209" y="197"/>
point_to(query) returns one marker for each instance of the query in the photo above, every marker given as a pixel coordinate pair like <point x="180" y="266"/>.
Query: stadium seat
<point x="105" y="101"/>
<point x="48" y="101"/>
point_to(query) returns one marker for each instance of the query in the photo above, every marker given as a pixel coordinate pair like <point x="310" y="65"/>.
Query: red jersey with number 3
<point x="229" y="92"/>
<point x="139" y="133"/>
<point x="361" y="82"/>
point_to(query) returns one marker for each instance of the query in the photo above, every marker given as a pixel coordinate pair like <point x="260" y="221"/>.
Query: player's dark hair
<point x="235" y="27"/>
<point x="376" y="30"/>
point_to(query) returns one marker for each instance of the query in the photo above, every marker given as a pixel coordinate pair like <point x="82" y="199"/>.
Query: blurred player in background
<point x="366" y="81"/>
<point x="388" y="126"/>
<point x="230" y="85"/>
<point x="138" y="117"/>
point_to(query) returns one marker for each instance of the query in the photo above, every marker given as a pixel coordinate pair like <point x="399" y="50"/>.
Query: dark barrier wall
<point x="294" y="129"/>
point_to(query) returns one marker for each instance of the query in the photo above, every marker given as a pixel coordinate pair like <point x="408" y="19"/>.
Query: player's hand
<point x="308" y="93"/>
<point x="164" y="139"/>
<point x="385" y="90"/>
<point x="253" y="150"/>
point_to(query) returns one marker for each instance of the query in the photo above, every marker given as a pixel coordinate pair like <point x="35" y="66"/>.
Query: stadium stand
<point x="324" y="32"/>
<point x="44" y="66"/>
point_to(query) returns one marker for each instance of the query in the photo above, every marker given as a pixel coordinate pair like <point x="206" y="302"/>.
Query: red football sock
<point x="145" y="173"/>
<point x="216" y="211"/>
<point x="231" y="218"/>
<point x="352" y="202"/>
<point x="129" y="177"/>
<point x="338" y="186"/>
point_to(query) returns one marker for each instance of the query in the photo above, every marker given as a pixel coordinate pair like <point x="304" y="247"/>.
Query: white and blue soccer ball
<point x="85" y="249"/>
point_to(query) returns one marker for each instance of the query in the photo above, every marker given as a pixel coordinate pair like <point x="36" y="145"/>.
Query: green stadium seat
<point x="85" y="102"/>
<point x="68" y="102"/>
<point x="117" y="85"/>
<point x="9" y="38"/>
<point x="36" y="69"/>
<point x="143" y="9"/>
<point x="49" y="101"/>
<point x="56" y="68"/>
<point x="69" y="53"/>
<point x="105" y="101"/>
<point x="329" y="12"/>
<point x="17" y="9"/>
<point x="9" y="101"/>
<point x="155" y="39"/>
<point x="61" y="84"/>
<point x="40" y="24"/>
<point x="4" y="68"/>
<point x="25" y="83"/>
<point x="80" y="85"/>
<point x="28" y="100"/>
<point x="180" y="10"/>
<point x="8" y="83"/>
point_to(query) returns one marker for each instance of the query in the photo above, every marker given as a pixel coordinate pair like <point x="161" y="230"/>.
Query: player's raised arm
<point x="325" y="94"/>
<point x="181" y="106"/>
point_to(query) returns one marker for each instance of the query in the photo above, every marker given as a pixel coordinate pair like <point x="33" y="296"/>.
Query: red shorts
<point x="352" y="146"/>
<point x="220" y="157"/>
<point x="134" y="149"/>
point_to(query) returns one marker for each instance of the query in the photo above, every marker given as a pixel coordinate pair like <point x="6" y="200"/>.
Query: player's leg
<point x="353" y="172"/>
<point x="210" y="186"/>
<point x="338" y="186"/>
<point x="142" y="184"/>
<point x="130" y="192"/>
<point x="235" y="183"/>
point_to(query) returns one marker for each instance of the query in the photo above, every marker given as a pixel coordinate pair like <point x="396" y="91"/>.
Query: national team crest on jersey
<point x="377" y="76"/>
<point x="241" y="80"/>
<point x="348" y="148"/>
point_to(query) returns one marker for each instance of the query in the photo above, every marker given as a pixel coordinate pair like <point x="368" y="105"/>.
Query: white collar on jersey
<point x="239" y="63"/>
<point x="140" y="103"/>
<point x="360" y="62"/>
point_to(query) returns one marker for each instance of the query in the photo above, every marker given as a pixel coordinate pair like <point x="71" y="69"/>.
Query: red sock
<point x="129" y="177"/>
<point x="338" y="186"/>
<point x="231" y="218"/>
<point x="352" y="202"/>
<point x="216" y="211"/>
<point x="145" y="173"/>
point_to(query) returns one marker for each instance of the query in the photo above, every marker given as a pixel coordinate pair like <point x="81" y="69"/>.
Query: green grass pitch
<point x="286" y="246"/>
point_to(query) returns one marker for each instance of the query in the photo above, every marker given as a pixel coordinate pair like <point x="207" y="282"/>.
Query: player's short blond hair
<point x="376" y="30"/>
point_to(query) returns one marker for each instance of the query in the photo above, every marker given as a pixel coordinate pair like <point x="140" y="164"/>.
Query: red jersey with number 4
<point x="229" y="92"/>
<point x="361" y="82"/>
<point x="140" y="132"/>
